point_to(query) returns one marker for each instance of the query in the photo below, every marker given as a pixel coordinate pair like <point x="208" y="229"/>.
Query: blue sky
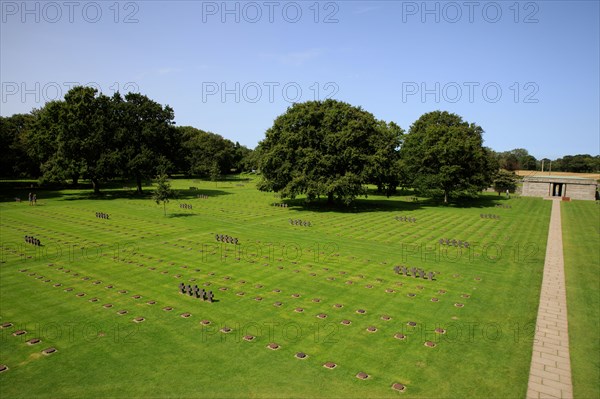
<point x="527" y="72"/>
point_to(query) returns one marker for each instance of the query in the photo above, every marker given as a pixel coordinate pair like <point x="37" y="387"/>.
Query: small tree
<point x="163" y="192"/>
<point x="215" y="173"/>
<point x="505" y="180"/>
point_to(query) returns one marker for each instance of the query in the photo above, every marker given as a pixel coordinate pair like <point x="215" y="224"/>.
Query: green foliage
<point x="327" y="148"/>
<point x="203" y="150"/>
<point x="444" y="156"/>
<point x="582" y="163"/>
<point x="145" y="134"/>
<point x="14" y="133"/>
<point x="215" y="173"/>
<point x="163" y="192"/>
<point x="505" y="180"/>
<point x="517" y="159"/>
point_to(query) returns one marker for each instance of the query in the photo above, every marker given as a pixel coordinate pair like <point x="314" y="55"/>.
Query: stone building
<point x="559" y="186"/>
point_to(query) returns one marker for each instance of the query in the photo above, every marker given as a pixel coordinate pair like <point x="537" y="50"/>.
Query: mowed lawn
<point x="345" y="258"/>
<point x="581" y="247"/>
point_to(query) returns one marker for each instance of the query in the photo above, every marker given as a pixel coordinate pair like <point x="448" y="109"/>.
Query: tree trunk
<point x="165" y="207"/>
<point x="75" y="178"/>
<point x="96" y="186"/>
<point x="330" y="198"/>
<point x="139" y="184"/>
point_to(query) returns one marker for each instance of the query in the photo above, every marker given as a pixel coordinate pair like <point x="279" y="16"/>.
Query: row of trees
<point x="92" y="136"/>
<point x="331" y="149"/>
<point x="318" y="148"/>
<point x="582" y="163"/>
<point x="520" y="159"/>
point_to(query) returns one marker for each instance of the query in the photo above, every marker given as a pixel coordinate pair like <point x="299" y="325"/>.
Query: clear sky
<point x="527" y="72"/>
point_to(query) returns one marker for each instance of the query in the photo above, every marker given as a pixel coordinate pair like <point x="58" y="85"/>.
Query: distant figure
<point x="507" y="194"/>
<point x="30" y="199"/>
<point x="34" y="199"/>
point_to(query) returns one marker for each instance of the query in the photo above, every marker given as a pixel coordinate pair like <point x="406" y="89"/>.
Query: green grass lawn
<point x="581" y="224"/>
<point x="346" y="257"/>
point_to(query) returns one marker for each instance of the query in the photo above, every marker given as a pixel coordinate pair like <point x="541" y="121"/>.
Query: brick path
<point x="550" y="373"/>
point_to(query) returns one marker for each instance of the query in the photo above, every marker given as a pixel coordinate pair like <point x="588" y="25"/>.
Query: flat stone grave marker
<point x="398" y="387"/>
<point x="49" y="351"/>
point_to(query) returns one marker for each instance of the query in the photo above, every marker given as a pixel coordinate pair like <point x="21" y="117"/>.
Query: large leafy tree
<point x="145" y="135"/>
<point x="384" y="168"/>
<point x="74" y="137"/>
<point x="87" y="136"/>
<point x="442" y="155"/>
<point x="14" y="133"/>
<point x="321" y="148"/>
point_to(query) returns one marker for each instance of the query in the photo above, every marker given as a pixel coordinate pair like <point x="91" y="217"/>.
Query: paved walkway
<point x="550" y="373"/>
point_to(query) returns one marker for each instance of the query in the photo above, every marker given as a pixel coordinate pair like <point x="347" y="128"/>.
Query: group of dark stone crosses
<point x="298" y="222"/>
<point x="196" y="292"/>
<point x="226" y="238"/>
<point x="488" y="216"/>
<point x="414" y="271"/>
<point x="102" y="215"/>
<point x="454" y="243"/>
<point x="33" y="240"/>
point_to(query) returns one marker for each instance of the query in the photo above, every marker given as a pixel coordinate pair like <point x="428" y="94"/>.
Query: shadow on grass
<point x="380" y="203"/>
<point x="180" y="215"/>
<point x="12" y="189"/>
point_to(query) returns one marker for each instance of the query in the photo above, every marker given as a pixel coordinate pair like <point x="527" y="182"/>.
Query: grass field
<point x="581" y="224"/>
<point x="346" y="257"/>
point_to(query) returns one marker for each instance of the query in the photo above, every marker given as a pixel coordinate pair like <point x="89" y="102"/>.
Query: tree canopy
<point x="163" y="192"/>
<point x="327" y="148"/>
<point x="505" y="180"/>
<point x="442" y="155"/>
<point x="318" y="149"/>
<point x="97" y="137"/>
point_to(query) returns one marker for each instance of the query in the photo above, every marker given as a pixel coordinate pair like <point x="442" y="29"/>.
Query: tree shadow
<point x="384" y="204"/>
<point x="180" y="215"/>
<point x="12" y="189"/>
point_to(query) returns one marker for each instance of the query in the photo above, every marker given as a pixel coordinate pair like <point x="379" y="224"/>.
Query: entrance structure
<point x="559" y="186"/>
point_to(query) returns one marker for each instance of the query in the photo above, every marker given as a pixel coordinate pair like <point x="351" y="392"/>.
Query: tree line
<point x="92" y="136"/>
<point x="520" y="159"/>
<point x="327" y="149"/>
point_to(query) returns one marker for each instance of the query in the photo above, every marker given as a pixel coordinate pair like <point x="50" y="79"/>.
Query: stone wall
<point x="580" y="189"/>
<point x="536" y="189"/>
